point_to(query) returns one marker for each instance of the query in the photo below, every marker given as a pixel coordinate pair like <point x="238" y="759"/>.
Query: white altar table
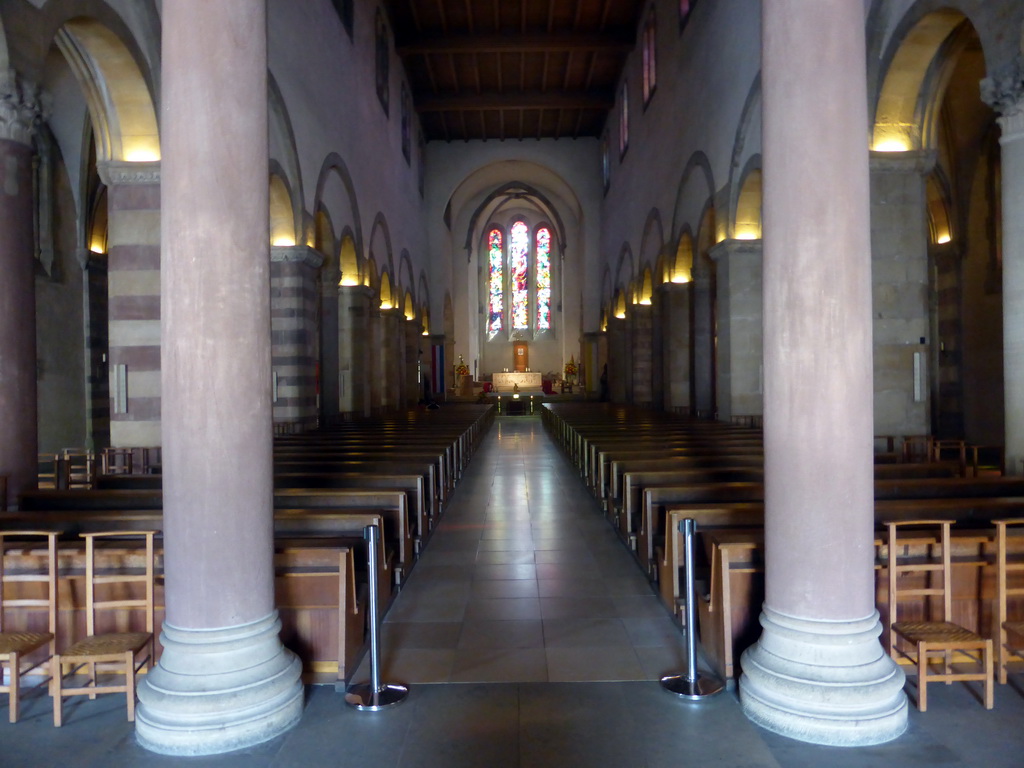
<point x="527" y="380"/>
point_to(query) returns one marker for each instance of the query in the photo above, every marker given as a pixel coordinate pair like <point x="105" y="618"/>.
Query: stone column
<point x="391" y="341"/>
<point x="353" y="346"/>
<point x="411" y="392"/>
<point x="641" y="325"/>
<point x="294" y="335"/>
<point x="619" y="359"/>
<point x="224" y="680"/>
<point x="899" y="271"/>
<point x="675" y="317"/>
<point x="740" y="323"/>
<point x="818" y="673"/>
<point x="703" y="346"/>
<point x="20" y="112"/>
<point x="329" y="407"/>
<point x="133" y="301"/>
<point x="1004" y="91"/>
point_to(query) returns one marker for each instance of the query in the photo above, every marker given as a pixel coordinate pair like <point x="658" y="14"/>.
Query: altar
<point x="527" y="380"/>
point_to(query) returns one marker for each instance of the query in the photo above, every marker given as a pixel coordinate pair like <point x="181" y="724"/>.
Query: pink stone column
<point x="224" y="680"/>
<point x="19" y="446"/>
<point x="818" y="673"/>
<point x="1004" y="91"/>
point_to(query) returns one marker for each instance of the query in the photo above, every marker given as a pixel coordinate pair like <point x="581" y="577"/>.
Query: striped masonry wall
<point x="294" y="302"/>
<point x="133" y="290"/>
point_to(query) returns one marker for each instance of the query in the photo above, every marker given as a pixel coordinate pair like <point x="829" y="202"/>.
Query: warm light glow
<point x="620" y="315"/>
<point x="892" y="145"/>
<point x="283" y="241"/>
<point x="385" y="304"/>
<point x="96" y="248"/>
<point x="645" y="302"/>
<point x="943" y="239"/>
<point x="348" y="281"/>
<point x="425" y="333"/>
<point x="142" y="154"/>
<point x="748" y="234"/>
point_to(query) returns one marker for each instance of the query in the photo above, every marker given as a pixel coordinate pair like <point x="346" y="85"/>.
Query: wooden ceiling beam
<point x="527" y="100"/>
<point x="603" y="43"/>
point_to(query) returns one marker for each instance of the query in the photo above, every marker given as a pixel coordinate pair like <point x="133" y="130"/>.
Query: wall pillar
<point x="329" y="366"/>
<point x="133" y="301"/>
<point x="1005" y="93"/>
<point x="740" y="323"/>
<point x="818" y="673"/>
<point x="619" y="359"/>
<point x="294" y="334"/>
<point x="641" y="326"/>
<point x="702" y="346"/>
<point x="413" y="350"/>
<point x="353" y="350"/>
<point x="674" y="299"/>
<point x="18" y="404"/>
<point x="899" y="269"/>
<point x="224" y="680"/>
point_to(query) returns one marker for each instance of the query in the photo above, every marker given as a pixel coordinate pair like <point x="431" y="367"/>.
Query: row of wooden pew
<point x="651" y="470"/>
<point x="394" y="472"/>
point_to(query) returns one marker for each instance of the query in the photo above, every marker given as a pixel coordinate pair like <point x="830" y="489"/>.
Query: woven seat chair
<point x="1009" y="632"/>
<point x="917" y="572"/>
<point x="111" y="588"/>
<point x="23" y="588"/>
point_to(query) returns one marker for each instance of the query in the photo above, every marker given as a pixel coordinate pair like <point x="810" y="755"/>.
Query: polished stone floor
<point x="529" y="638"/>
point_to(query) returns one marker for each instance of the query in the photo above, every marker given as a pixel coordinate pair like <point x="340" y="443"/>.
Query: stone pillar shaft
<point x="1012" y="143"/>
<point x="224" y="680"/>
<point x="818" y="672"/>
<point x="740" y="323"/>
<point x="18" y="405"/>
<point x="133" y="301"/>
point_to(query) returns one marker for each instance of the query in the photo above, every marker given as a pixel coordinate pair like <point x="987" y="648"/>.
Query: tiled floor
<point x="524" y="597"/>
<point x="524" y="581"/>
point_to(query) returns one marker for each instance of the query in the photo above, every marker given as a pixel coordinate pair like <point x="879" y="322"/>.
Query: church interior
<point x="350" y="338"/>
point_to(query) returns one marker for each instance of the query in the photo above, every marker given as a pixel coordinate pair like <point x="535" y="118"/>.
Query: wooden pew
<point x="732" y="545"/>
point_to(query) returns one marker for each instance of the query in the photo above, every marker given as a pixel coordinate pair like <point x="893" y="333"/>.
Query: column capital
<point x="733" y="247"/>
<point x="119" y="172"/>
<point x="300" y="254"/>
<point x="920" y="161"/>
<point x="1003" y="90"/>
<point x="23" y="106"/>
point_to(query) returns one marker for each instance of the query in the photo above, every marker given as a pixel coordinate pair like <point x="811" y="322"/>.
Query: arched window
<point x="495" y="283"/>
<point x="519" y="279"/>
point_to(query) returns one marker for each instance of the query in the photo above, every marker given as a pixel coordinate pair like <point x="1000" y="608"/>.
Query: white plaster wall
<point x="464" y="173"/>
<point x="328" y="84"/>
<point x="704" y="76"/>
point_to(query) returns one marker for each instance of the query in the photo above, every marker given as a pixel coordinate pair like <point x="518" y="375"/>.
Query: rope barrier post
<point x="374" y="696"/>
<point x="692" y="685"/>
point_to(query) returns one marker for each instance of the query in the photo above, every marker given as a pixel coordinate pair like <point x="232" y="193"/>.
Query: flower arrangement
<point x="461" y="369"/>
<point x="570" y="368"/>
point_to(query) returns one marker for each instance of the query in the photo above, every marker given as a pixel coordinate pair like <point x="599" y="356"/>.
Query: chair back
<point x="25" y="582"/>
<point x="916" y="570"/>
<point x="1009" y="570"/>
<point x="119" y="578"/>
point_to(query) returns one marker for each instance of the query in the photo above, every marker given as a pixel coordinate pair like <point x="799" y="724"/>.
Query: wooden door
<point x="520" y="356"/>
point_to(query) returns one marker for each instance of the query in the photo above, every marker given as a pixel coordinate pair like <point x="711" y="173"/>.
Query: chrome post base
<point x="694" y="690"/>
<point x="363" y="697"/>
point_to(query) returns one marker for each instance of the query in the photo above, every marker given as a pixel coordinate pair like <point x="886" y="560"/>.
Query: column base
<point x="219" y="690"/>
<point x="823" y="682"/>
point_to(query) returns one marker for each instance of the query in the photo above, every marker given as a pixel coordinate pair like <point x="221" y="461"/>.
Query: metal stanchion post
<point x="374" y="696"/>
<point x="692" y="685"/>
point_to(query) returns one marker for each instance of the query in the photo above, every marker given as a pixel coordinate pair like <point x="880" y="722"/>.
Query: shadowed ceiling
<point x="513" y="69"/>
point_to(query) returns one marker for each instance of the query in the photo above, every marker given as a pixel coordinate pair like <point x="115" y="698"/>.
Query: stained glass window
<point x="519" y="273"/>
<point x="543" y="279"/>
<point x="649" y="56"/>
<point x="496" y="287"/>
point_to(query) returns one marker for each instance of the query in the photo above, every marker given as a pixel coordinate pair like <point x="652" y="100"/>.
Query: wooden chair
<point x="918" y="572"/>
<point x="111" y="588"/>
<point x="917" y="448"/>
<point x="1009" y="633"/>
<point x="117" y="461"/>
<point x="16" y="594"/>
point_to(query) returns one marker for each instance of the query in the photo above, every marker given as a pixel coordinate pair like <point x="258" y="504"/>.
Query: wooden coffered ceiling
<point x="513" y="69"/>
